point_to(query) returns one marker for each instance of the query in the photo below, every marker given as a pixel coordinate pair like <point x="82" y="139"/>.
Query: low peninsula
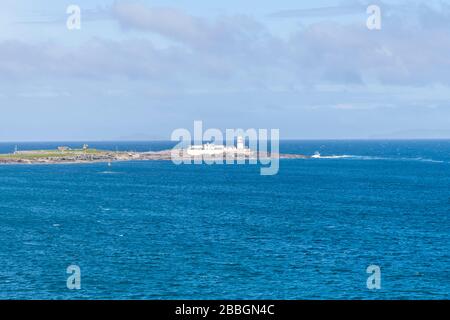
<point x="88" y="155"/>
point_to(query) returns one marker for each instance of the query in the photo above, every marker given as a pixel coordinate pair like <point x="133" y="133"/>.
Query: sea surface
<point x="155" y="230"/>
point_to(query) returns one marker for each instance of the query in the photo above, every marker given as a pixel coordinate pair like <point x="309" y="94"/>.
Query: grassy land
<point x="51" y="154"/>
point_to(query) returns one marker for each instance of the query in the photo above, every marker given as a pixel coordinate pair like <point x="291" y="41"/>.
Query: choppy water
<point x="155" y="230"/>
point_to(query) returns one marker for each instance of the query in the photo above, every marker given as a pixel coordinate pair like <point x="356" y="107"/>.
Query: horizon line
<point x="285" y="139"/>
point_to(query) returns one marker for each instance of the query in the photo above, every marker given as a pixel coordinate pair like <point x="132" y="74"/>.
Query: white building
<point x="210" y="149"/>
<point x="240" y="143"/>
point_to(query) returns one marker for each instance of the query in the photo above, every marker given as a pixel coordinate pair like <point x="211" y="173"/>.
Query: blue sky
<point x="140" y="69"/>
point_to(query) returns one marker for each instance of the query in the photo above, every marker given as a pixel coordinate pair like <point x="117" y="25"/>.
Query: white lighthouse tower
<point x="240" y="143"/>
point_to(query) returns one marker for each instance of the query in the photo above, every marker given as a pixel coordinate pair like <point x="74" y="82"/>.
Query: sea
<point x="156" y="230"/>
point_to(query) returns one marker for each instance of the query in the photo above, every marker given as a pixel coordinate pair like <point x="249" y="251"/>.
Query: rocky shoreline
<point x="107" y="156"/>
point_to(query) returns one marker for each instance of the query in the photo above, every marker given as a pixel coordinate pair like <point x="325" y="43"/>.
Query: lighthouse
<point x="240" y="143"/>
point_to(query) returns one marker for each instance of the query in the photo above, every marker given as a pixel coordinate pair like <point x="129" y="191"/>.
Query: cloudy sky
<point x="140" y="69"/>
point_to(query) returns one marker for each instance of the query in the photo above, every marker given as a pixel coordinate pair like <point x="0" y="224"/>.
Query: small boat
<point x="316" y="155"/>
<point x="109" y="164"/>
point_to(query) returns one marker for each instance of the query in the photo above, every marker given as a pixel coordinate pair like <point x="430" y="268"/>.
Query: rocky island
<point x="88" y="155"/>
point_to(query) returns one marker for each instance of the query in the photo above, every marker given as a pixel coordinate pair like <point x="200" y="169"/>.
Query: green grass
<point x="52" y="154"/>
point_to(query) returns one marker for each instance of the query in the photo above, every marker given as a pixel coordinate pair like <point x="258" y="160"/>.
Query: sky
<point x="137" y="70"/>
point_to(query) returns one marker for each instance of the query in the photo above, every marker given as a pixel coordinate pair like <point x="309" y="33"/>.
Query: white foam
<point x="355" y="157"/>
<point x="335" y="157"/>
<point x="109" y="172"/>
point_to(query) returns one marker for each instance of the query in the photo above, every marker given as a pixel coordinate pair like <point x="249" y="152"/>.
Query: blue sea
<point x="155" y="230"/>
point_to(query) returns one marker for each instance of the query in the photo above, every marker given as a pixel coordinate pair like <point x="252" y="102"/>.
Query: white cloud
<point x="238" y="52"/>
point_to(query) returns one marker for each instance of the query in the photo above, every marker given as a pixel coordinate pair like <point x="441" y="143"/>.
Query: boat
<point x="316" y="155"/>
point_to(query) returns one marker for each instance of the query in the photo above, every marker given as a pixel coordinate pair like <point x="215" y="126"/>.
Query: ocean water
<point x="154" y="230"/>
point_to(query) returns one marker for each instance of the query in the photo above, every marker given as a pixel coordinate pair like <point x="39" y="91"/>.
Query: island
<point x="88" y="155"/>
